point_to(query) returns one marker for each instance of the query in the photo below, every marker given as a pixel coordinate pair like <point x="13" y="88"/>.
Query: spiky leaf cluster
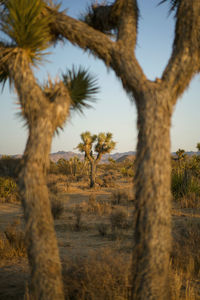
<point x="100" y="17"/>
<point x="87" y="142"/>
<point x="25" y="24"/>
<point x="104" y="143"/>
<point x="173" y="4"/>
<point x="82" y="87"/>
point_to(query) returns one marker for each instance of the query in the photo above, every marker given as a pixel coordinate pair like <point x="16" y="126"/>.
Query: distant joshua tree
<point x="198" y="146"/>
<point x="104" y="144"/>
<point x="45" y="110"/>
<point x="180" y="154"/>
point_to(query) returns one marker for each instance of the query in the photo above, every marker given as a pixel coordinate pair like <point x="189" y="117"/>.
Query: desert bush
<point x="186" y="250"/>
<point x="97" y="207"/>
<point x="58" y="183"/>
<point x="189" y="201"/>
<point x="99" y="181"/>
<point x="9" y="166"/>
<point x="102" y="229"/>
<point x="8" y="190"/>
<point x="108" y="179"/>
<point x="127" y="172"/>
<point x="119" y="197"/>
<point x="12" y="242"/>
<point x="180" y="288"/>
<point x="57" y="206"/>
<point x="102" y="275"/>
<point x="78" y="213"/>
<point x="185" y="185"/>
<point x="119" y="219"/>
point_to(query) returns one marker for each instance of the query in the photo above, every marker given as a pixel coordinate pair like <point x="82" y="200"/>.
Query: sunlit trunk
<point x="43" y="117"/>
<point x="152" y="237"/>
<point x="46" y="278"/>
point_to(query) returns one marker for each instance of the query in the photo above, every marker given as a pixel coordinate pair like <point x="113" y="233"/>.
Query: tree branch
<point x="128" y="69"/>
<point x="81" y="34"/>
<point x="184" y="61"/>
<point x="127" y="12"/>
<point x="119" y="55"/>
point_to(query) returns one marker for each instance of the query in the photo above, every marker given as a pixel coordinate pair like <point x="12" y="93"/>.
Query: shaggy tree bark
<point x="152" y="213"/>
<point x="43" y="116"/>
<point x="93" y="167"/>
<point x="154" y="101"/>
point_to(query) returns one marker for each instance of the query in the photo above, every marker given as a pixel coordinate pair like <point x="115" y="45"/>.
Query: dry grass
<point x="96" y="265"/>
<point x="57" y="206"/>
<point x="101" y="275"/>
<point x="12" y="242"/>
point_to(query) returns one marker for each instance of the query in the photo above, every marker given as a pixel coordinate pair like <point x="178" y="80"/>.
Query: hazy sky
<point x="113" y="111"/>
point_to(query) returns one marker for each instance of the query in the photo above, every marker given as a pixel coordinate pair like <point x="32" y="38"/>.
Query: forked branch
<point x="184" y="61"/>
<point x="128" y="13"/>
<point x="79" y="33"/>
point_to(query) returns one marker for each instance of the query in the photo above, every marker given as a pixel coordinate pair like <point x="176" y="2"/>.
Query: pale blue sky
<point x="113" y="111"/>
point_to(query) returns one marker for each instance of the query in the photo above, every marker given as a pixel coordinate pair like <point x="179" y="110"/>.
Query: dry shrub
<point x="57" y="206"/>
<point x="12" y="242"/>
<point x="97" y="207"/>
<point x="119" y="219"/>
<point x="190" y="201"/>
<point x="101" y="276"/>
<point x="58" y="183"/>
<point x="78" y="213"/>
<point x="9" y="192"/>
<point x="186" y="250"/>
<point x="120" y="197"/>
<point x="180" y="287"/>
<point x="108" y="179"/>
<point x="102" y="229"/>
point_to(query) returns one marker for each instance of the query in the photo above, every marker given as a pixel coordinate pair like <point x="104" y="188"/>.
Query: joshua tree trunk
<point x="93" y="168"/>
<point x="43" y="117"/>
<point x="46" y="280"/>
<point x="152" y="219"/>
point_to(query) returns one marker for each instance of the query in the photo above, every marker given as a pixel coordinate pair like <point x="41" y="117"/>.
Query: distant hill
<point x="126" y="157"/>
<point x="67" y="155"/>
<point x="119" y="157"/>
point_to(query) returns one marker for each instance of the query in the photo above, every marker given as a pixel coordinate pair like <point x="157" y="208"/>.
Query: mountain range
<point x="119" y="156"/>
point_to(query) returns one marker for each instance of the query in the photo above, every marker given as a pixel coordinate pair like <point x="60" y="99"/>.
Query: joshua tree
<point x="198" y="146"/>
<point x="109" y="31"/>
<point x="181" y="154"/>
<point x="104" y="144"/>
<point x="45" y="109"/>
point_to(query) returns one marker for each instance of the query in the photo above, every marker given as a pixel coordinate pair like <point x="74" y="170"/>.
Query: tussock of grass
<point x="102" y="275"/>
<point x="12" y="242"/>
<point x="57" y="206"/>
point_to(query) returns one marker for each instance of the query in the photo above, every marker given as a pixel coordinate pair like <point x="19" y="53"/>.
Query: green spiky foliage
<point x="104" y="143"/>
<point x="82" y="87"/>
<point x="87" y="143"/>
<point x="26" y="27"/>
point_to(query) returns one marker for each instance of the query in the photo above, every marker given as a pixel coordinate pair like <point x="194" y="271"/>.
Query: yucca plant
<point x="45" y="109"/>
<point x="101" y="144"/>
<point x="82" y="87"/>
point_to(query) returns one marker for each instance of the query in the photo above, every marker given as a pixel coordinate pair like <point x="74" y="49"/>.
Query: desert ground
<point x="95" y="232"/>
